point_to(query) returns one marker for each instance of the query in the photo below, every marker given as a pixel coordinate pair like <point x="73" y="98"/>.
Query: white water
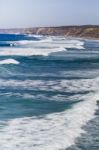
<point x="9" y="61"/>
<point x="50" y="42"/>
<point x="82" y="85"/>
<point x="53" y="132"/>
<point x="45" y="47"/>
<point x="29" y="51"/>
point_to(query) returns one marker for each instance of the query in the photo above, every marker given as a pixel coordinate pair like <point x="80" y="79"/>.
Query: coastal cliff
<point x="86" y="31"/>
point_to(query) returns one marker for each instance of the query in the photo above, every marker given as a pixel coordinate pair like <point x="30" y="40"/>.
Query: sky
<point x="41" y="13"/>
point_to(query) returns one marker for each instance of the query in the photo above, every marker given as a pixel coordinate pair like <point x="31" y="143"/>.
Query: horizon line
<point x="48" y="26"/>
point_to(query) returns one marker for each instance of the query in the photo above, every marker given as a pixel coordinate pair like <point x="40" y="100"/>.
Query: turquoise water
<point x="49" y="93"/>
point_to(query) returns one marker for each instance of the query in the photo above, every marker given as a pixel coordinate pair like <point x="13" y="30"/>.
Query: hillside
<point x="87" y="31"/>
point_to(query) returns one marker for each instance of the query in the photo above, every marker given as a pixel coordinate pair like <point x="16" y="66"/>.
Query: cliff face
<point x="75" y="31"/>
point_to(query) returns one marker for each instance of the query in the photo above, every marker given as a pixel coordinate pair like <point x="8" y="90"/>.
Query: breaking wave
<point x="55" y="131"/>
<point x="52" y="132"/>
<point x="46" y="102"/>
<point x="8" y="61"/>
<point x="29" y="51"/>
<point x="50" y="42"/>
<point x="51" y="85"/>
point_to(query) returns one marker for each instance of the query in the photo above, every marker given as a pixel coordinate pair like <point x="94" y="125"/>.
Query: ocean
<point x="49" y="93"/>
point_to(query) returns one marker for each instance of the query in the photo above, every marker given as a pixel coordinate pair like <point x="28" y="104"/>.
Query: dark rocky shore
<point x="85" y="31"/>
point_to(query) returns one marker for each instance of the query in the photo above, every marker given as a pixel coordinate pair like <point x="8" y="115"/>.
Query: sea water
<point x="49" y="93"/>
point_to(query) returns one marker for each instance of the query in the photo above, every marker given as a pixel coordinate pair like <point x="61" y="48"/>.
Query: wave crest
<point x="9" y="61"/>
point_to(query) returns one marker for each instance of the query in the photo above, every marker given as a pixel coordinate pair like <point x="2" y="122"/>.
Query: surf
<point x="9" y="61"/>
<point x="29" y="51"/>
<point x="48" y="92"/>
<point x="56" y="131"/>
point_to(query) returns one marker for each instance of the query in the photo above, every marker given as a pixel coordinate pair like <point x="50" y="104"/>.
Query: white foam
<point x="9" y="61"/>
<point x="53" y="132"/>
<point x="68" y="43"/>
<point x="53" y="42"/>
<point x="29" y="51"/>
<point x="81" y="85"/>
<point x="65" y="43"/>
<point x="35" y="35"/>
<point x="24" y="42"/>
